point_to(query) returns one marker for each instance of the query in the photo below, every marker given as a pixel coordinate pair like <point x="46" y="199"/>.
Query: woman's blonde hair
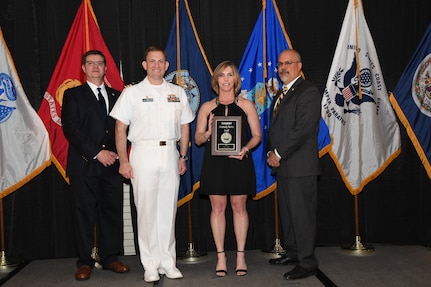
<point x="217" y="72"/>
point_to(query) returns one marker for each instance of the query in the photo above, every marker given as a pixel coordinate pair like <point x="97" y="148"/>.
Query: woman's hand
<point x="243" y="153"/>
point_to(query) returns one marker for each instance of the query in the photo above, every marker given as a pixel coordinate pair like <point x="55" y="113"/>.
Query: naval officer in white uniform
<point x="154" y="116"/>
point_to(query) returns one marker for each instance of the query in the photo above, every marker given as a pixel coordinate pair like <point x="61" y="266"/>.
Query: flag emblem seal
<point x="347" y="95"/>
<point x="7" y="94"/>
<point x="67" y="84"/>
<point x="421" y="88"/>
<point x="189" y="85"/>
<point x="258" y="94"/>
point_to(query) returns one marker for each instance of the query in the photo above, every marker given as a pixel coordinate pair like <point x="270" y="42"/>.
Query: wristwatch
<point x="184" y="157"/>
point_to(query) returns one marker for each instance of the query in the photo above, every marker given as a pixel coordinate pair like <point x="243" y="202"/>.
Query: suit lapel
<point x="285" y="99"/>
<point x="93" y="100"/>
<point x="111" y="96"/>
<point x="90" y="96"/>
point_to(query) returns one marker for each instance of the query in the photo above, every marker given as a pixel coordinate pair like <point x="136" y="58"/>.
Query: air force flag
<point x="258" y="70"/>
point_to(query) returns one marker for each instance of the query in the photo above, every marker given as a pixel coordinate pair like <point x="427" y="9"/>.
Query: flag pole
<point x="277" y="249"/>
<point x="358" y="248"/>
<point x="95" y="251"/>
<point x="4" y="263"/>
<point x="191" y="255"/>
<point x="177" y="11"/>
<point x="358" y="59"/>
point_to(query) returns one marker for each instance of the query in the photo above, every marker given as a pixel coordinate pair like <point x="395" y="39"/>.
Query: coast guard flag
<point x="189" y="68"/>
<point x="411" y="100"/>
<point x="258" y="70"/>
<point x="24" y="141"/>
<point x="356" y="107"/>
<point x="84" y="35"/>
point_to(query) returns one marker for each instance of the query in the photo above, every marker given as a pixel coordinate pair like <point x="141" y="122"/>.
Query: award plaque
<point x="226" y="135"/>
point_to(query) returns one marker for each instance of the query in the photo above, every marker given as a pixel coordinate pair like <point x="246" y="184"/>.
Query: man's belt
<point x="156" y="143"/>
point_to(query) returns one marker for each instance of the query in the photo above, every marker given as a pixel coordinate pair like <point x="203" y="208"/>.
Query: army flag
<point x="24" y="141"/>
<point x="356" y="107"/>
<point x="83" y="36"/>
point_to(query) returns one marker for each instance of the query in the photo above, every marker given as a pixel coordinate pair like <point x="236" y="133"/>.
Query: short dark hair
<point x="154" y="49"/>
<point x="92" y="52"/>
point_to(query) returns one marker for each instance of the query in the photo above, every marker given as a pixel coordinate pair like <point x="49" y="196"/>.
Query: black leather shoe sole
<point x="283" y="260"/>
<point x="299" y="272"/>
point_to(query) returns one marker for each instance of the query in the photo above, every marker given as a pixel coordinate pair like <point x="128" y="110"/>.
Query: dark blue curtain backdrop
<point x="393" y="209"/>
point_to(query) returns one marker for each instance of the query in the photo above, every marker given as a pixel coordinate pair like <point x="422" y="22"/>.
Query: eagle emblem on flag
<point x="348" y="88"/>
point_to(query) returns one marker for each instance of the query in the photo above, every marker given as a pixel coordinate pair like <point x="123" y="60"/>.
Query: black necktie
<point x="102" y="102"/>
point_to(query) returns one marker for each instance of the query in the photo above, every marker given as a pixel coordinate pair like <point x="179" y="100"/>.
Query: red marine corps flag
<point x="83" y="36"/>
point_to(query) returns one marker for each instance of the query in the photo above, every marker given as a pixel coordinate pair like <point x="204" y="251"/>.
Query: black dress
<point x="221" y="175"/>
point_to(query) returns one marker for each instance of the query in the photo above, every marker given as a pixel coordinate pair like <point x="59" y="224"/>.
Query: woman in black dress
<point x="232" y="175"/>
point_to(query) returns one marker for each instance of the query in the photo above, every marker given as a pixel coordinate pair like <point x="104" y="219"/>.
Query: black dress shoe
<point x="285" y="260"/>
<point x="299" y="272"/>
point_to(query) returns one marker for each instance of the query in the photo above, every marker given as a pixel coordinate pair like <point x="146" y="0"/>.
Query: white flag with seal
<point x="24" y="141"/>
<point x="356" y="107"/>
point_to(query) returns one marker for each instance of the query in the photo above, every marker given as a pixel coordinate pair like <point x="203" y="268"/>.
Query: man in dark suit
<point x="92" y="167"/>
<point x="294" y="156"/>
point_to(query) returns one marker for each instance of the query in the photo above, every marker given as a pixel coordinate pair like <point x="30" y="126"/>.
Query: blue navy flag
<point x="258" y="70"/>
<point x="189" y="68"/>
<point x="411" y="100"/>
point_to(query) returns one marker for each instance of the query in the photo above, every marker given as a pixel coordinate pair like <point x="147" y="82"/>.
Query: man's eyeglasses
<point x="287" y="63"/>
<point x="95" y="63"/>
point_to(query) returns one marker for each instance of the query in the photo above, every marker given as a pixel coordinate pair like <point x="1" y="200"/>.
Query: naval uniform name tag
<point x="226" y="135"/>
<point x="147" y="99"/>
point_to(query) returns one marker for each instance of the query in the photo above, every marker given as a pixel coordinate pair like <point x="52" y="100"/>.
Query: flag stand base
<point x="276" y="251"/>
<point x="358" y="248"/>
<point x="5" y="264"/>
<point x="192" y="255"/>
<point x="96" y="257"/>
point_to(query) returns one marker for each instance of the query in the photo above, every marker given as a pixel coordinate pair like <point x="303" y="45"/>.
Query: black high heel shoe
<point x="241" y="272"/>
<point x="221" y="272"/>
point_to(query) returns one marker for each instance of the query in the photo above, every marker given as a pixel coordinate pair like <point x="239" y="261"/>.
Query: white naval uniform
<point x="154" y="114"/>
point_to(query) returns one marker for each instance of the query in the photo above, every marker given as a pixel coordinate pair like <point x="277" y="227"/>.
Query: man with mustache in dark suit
<point x="294" y="156"/>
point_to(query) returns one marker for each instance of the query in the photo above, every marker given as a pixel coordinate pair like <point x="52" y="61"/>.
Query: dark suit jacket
<point x="87" y="131"/>
<point x="294" y="129"/>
